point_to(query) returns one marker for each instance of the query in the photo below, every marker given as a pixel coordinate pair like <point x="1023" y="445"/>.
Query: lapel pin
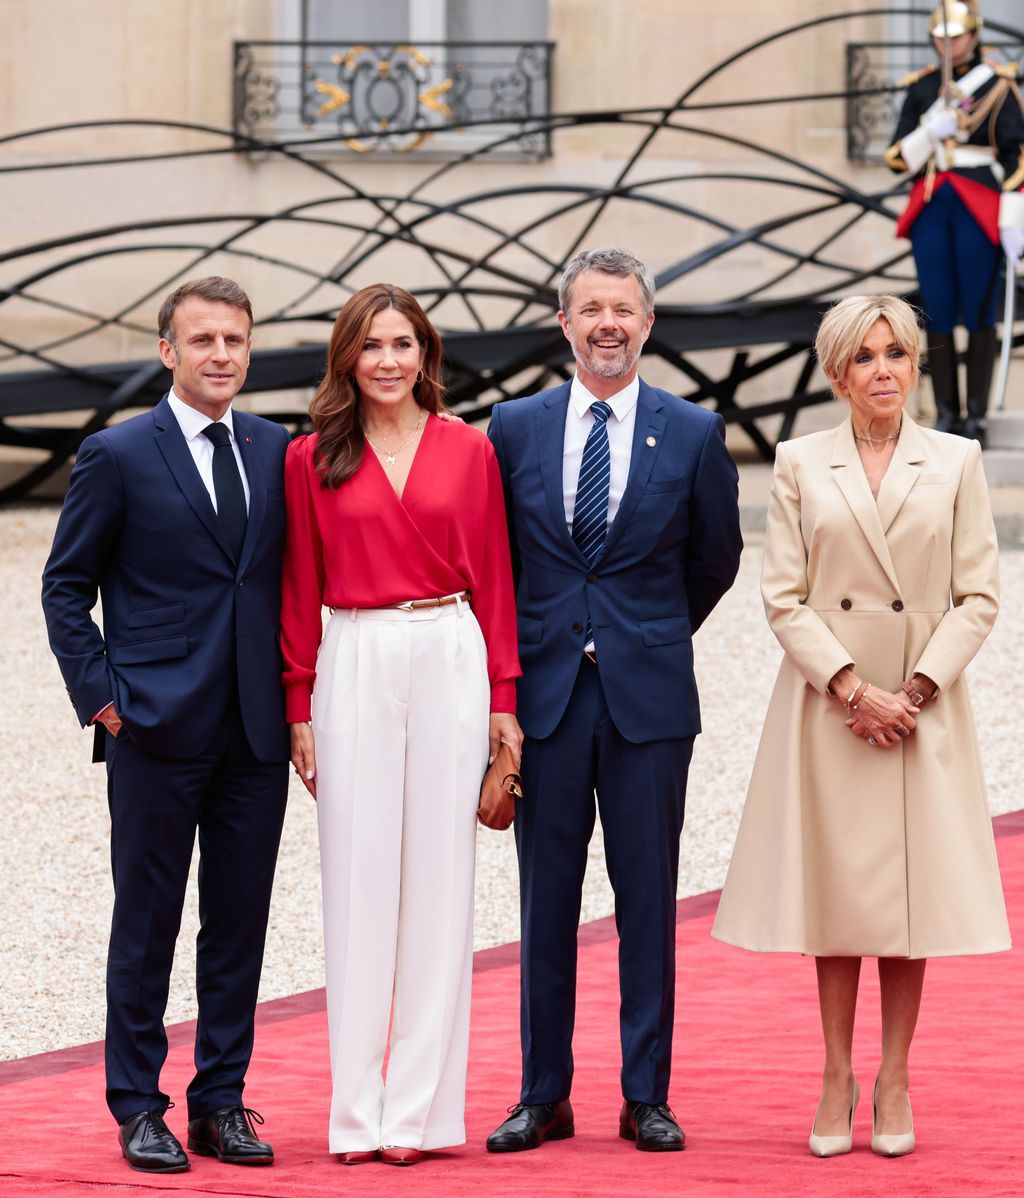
<point x="651" y="442"/>
<point x="248" y="440"/>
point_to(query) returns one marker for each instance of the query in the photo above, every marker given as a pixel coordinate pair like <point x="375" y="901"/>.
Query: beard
<point x="603" y="365"/>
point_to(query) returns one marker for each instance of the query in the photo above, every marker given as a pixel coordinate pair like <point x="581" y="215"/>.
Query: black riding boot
<point x="981" y="360"/>
<point x="945" y="384"/>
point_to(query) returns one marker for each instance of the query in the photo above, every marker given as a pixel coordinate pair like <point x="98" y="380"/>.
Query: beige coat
<point x="845" y="849"/>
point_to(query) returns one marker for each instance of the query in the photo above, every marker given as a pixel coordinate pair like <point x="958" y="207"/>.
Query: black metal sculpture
<point x="766" y="326"/>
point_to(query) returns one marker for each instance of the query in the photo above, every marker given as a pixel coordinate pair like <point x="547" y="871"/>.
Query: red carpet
<point x="746" y="1083"/>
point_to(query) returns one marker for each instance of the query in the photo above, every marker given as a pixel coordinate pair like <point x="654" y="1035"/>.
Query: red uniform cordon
<point x="982" y="202"/>
<point x="360" y="546"/>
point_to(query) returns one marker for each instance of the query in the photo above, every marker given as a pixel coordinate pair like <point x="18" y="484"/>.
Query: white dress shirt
<point x="192" y="422"/>
<point x="579" y="420"/>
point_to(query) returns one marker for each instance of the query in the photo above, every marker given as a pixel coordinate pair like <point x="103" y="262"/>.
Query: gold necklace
<point x="391" y="455"/>
<point x="877" y="440"/>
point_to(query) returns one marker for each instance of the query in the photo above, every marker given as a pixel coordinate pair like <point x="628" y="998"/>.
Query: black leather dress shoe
<point x="529" y="1126"/>
<point x="228" y="1134"/>
<point x="149" y="1145"/>
<point x="654" y="1127"/>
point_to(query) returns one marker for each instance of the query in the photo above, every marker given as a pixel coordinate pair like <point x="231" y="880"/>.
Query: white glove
<point x="1013" y="244"/>
<point x="941" y="124"/>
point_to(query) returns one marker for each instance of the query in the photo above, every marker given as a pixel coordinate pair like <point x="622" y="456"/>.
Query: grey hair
<point x="214" y="288"/>
<point x="611" y="261"/>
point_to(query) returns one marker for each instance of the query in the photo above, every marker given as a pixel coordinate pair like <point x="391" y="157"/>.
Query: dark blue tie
<point x="590" y="516"/>
<point x="227" y="484"/>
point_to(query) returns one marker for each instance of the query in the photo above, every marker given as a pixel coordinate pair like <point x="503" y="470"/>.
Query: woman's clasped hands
<point x="882" y="718"/>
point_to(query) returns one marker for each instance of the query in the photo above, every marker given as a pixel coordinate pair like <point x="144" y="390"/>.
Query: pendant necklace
<point x="391" y="455"/>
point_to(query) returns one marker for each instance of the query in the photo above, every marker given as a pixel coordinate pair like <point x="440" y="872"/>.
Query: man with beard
<point x="622" y="507"/>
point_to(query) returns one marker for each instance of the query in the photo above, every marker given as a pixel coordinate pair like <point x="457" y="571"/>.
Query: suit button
<point x="897" y="605"/>
<point x="846" y="604"/>
<point x="577" y="627"/>
<point x="591" y="577"/>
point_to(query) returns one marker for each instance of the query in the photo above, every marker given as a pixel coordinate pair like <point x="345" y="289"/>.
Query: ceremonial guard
<point x="961" y="133"/>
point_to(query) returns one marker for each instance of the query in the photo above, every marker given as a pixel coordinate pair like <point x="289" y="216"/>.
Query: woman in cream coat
<point x="866" y="830"/>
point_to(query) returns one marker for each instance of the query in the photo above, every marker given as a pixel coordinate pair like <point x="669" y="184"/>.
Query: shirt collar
<point x="621" y="403"/>
<point x="192" y="421"/>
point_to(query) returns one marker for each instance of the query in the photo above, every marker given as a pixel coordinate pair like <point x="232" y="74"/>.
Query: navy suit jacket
<point x="184" y="625"/>
<point x="672" y="551"/>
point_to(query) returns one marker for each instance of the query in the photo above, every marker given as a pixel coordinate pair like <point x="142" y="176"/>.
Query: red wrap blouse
<point x="360" y="545"/>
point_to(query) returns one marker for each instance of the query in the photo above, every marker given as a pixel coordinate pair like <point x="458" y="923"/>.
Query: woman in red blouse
<point x="396" y="522"/>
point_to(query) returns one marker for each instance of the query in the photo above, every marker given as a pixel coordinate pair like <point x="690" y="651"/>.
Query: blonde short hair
<point x="846" y="324"/>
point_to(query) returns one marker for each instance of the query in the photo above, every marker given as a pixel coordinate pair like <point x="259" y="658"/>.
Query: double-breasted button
<point x="897" y="605"/>
<point x="846" y="604"/>
<point x="577" y="627"/>
<point x="591" y="577"/>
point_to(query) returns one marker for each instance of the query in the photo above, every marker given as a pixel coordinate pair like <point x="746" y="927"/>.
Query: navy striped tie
<point x="590" y="516"/>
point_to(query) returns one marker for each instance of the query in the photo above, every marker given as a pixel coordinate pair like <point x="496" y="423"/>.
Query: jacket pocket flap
<point x="162" y="650"/>
<point x="169" y="613"/>
<point x="530" y="630"/>
<point x="666" y="484"/>
<point x="668" y="631"/>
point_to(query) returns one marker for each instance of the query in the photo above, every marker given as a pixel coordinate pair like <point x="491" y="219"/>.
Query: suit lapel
<point x="902" y="473"/>
<point x="245" y="436"/>
<point x="852" y="481"/>
<point x="648" y="427"/>
<point x="171" y="442"/>
<point x="550" y="430"/>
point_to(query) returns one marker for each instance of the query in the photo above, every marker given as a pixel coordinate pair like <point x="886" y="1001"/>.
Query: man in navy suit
<point x="622" y="504"/>
<point x="176" y="519"/>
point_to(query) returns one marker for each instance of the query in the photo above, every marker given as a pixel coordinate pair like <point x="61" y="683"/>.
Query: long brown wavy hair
<point x="334" y="409"/>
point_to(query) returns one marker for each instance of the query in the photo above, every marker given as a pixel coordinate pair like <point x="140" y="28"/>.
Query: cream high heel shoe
<point x="898" y="1145"/>
<point x="835" y="1145"/>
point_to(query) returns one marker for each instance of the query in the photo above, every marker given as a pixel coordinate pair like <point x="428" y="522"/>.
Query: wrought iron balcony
<point x="443" y="98"/>
<point x="875" y="69"/>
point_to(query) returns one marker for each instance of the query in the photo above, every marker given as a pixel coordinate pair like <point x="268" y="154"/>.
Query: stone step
<point x="1006" y="430"/>
<point x="1004" y="467"/>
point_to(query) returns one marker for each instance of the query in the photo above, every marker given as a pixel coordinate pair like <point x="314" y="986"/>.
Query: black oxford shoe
<point x="149" y="1145"/>
<point x="228" y="1134"/>
<point x="529" y="1126"/>
<point x="653" y="1126"/>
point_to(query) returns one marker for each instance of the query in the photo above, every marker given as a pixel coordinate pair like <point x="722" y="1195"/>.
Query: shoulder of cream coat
<point x="821" y="446"/>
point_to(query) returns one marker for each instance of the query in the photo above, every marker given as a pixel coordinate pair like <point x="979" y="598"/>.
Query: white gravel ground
<point x="54" y="865"/>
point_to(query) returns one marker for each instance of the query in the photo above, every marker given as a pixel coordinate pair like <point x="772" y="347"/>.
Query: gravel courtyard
<point x="53" y="858"/>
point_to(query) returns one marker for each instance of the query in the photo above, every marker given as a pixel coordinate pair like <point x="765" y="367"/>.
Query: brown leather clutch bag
<point x="499" y="790"/>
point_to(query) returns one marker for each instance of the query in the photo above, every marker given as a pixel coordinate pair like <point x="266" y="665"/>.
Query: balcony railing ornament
<point x="391" y="98"/>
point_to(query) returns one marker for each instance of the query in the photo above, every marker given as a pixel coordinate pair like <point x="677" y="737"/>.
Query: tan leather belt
<point x="416" y="604"/>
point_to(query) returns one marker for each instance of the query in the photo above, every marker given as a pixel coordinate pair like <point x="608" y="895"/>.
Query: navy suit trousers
<point x="237" y="803"/>
<point x="958" y="267"/>
<point x="641" y="793"/>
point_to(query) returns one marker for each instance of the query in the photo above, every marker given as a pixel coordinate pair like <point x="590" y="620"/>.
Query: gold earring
<point x="419" y="376"/>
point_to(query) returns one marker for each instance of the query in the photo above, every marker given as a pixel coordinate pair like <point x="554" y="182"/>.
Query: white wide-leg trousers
<point x="400" y="718"/>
